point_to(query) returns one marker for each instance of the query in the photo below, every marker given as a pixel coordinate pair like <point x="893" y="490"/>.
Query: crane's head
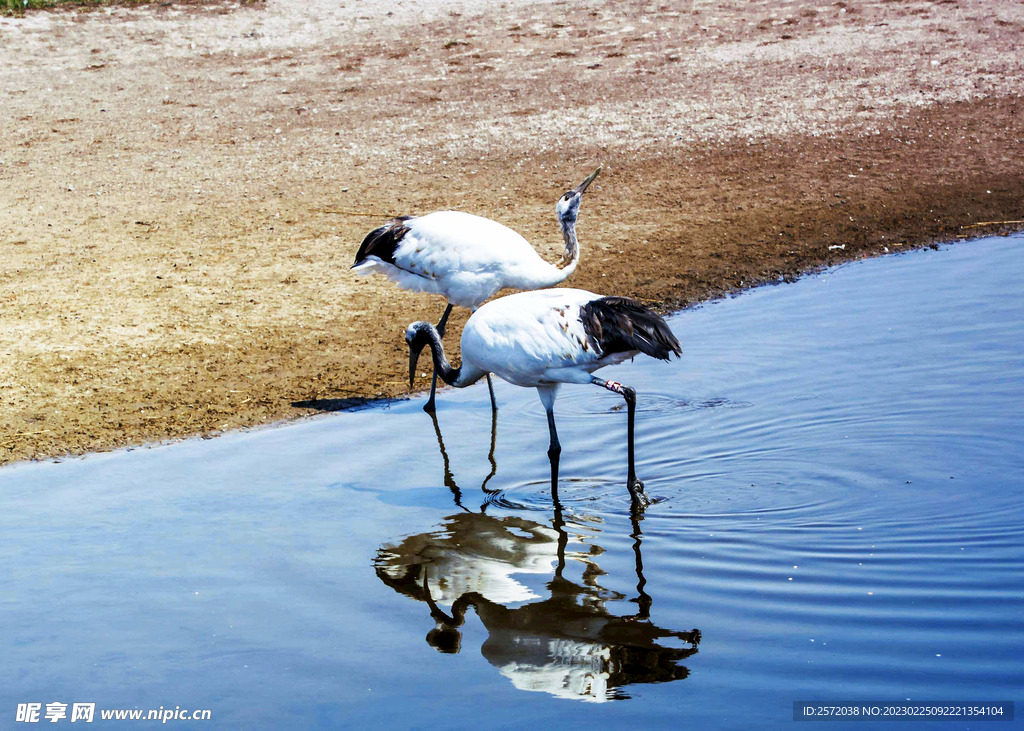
<point x="568" y="206"/>
<point x="417" y="335"/>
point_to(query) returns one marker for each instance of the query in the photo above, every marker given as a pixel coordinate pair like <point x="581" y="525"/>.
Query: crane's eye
<point x="567" y="196"/>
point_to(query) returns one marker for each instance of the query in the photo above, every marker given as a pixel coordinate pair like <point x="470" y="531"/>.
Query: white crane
<point x="550" y="337"/>
<point x="467" y="258"/>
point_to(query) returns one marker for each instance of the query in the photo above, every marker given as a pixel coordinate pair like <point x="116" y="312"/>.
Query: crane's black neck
<point x="572" y="244"/>
<point x="444" y="369"/>
<point x="423" y="334"/>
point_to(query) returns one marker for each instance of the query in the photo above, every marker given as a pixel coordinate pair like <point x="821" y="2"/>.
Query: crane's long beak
<point x="414" y="355"/>
<point x="583" y="186"/>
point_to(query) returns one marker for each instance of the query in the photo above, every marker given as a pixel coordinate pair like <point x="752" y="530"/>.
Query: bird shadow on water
<point x="350" y="403"/>
<point x="567" y="642"/>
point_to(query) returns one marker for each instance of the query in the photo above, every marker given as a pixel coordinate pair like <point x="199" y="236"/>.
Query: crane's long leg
<point x="636" y="488"/>
<point x="554" y="453"/>
<point x="490" y="381"/>
<point x="547" y="397"/>
<point x="429" y="406"/>
<point x="444" y="320"/>
<point x="490" y="389"/>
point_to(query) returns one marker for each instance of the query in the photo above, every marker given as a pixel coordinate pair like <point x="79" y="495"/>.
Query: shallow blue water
<point x="840" y="467"/>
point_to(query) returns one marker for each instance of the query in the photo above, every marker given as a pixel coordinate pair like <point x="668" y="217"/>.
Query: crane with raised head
<point x="467" y="258"/>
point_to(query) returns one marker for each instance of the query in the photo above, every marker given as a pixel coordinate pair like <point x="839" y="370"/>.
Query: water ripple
<point x="576" y="403"/>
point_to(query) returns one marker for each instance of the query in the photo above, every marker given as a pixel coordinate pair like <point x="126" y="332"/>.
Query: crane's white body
<point x="465" y="258"/>
<point x="546" y="338"/>
<point x="534" y="339"/>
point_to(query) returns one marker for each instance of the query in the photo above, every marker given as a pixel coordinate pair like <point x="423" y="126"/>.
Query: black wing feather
<point x="622" y="325"/>
<point x="382" y="242"/>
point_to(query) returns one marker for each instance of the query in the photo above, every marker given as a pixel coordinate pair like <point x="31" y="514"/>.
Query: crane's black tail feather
<point x="621" y="325"/>
<point x="382" y="242"/>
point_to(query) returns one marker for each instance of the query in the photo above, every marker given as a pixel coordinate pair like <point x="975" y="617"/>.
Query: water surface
<point x="839" y="464"/>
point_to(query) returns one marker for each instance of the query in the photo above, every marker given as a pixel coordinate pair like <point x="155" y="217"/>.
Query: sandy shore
<point x="182" y="189"/>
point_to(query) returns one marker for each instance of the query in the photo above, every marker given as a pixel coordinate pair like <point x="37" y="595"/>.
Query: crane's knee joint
<point x="629" y="394"/>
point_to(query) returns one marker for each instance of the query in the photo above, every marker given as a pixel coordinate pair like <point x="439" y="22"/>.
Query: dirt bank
<point x="182" y="189"/>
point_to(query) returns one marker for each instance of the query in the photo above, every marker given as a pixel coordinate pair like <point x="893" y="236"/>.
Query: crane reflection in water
<point x="568" y="643"/>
